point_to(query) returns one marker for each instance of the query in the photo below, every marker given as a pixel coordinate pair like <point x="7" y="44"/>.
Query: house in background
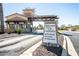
<point x="21" y="21"/>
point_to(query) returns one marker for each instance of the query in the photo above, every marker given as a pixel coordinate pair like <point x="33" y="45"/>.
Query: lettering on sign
<point x="50" y="32"/>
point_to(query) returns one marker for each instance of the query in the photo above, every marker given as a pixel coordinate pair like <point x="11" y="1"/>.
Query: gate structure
<point x="24" y="23"/>
<point x="50" y="37"/>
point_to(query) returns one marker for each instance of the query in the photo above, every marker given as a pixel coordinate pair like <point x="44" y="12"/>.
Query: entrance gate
<point x="50" y="37"/>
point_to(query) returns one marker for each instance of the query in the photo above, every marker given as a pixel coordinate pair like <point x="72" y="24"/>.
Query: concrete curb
<point x="64" y="52"/>
<point x="70" y="50"/>
<point x="30" y="50"/>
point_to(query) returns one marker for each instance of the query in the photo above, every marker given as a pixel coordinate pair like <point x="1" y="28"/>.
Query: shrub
<point x="18" y="31"/>
<point x="73" y="29"/>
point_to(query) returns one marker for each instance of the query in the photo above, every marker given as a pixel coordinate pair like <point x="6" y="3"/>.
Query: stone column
<point x="32" y="26"/>
<point x="18" y="26"/>
<point x="1" y="19"/>
<point x="7" y="24"/>
<point x="25" y="26"/>
<point x="15" y="24"/>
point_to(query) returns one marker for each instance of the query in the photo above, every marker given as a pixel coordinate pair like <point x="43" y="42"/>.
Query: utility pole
<point x="1" y="19"/>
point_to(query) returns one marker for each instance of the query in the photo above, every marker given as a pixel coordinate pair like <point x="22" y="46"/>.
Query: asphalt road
<point x="74" y="36"/>
<point x="16" y="45"/>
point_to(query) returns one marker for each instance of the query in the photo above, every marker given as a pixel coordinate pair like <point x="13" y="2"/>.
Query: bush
<point x="73" y="29"/>
<point x="18" y="31"/>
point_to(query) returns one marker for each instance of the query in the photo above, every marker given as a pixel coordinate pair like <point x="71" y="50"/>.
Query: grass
<point x="61" y="31"/>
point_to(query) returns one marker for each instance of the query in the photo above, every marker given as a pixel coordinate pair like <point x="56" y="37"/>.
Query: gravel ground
<point x="49" y="51"/>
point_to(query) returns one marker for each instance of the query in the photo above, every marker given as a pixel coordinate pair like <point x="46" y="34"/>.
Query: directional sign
<point x="50" y="33"/>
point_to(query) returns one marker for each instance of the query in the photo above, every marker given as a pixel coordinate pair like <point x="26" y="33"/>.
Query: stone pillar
<point x="15" y="24"/>
<point x="32" y="26"/>
<point x="25" y="26"/>
<point x="1" y="19"/>
<point x="18" y="26"/>
<point x="7" y="24"/>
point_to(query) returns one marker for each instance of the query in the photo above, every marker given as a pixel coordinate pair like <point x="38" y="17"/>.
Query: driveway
<point x="17" y="45"/>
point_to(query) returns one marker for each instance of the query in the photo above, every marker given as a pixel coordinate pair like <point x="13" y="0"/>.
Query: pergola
<point x="44" y="18"/>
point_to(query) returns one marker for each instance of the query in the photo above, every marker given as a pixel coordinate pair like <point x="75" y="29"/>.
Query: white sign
<point x="50" y="32"/>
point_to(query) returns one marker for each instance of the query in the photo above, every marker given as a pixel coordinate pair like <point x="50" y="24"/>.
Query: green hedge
<point x="18" y="30"/>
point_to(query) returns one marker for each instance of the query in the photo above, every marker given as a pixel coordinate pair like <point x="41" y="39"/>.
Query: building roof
<point x="16" y="17"/>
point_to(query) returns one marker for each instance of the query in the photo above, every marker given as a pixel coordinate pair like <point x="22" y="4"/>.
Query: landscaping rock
<point x="50" y="50"/>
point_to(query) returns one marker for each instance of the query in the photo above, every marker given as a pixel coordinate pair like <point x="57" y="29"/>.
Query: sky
<point x="68" y="13"/>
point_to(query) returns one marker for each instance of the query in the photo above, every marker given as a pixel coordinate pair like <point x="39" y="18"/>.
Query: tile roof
<point x="16" y="17"/>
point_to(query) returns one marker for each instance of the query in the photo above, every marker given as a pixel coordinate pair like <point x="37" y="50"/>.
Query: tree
<point x="63" y="27"/>
<point x="75" y="27"/>
<point x="69" y="25"/>
<point x="40" y="26"/>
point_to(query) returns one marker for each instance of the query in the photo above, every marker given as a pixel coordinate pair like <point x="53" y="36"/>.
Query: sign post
<point x="50" y="37"/>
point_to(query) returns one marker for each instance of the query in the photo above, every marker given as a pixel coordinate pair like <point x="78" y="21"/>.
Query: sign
<point x="50" y="33"/>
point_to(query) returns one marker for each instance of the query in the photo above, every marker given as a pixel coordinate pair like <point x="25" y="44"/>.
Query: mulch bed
<point x="50" y="51"/>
